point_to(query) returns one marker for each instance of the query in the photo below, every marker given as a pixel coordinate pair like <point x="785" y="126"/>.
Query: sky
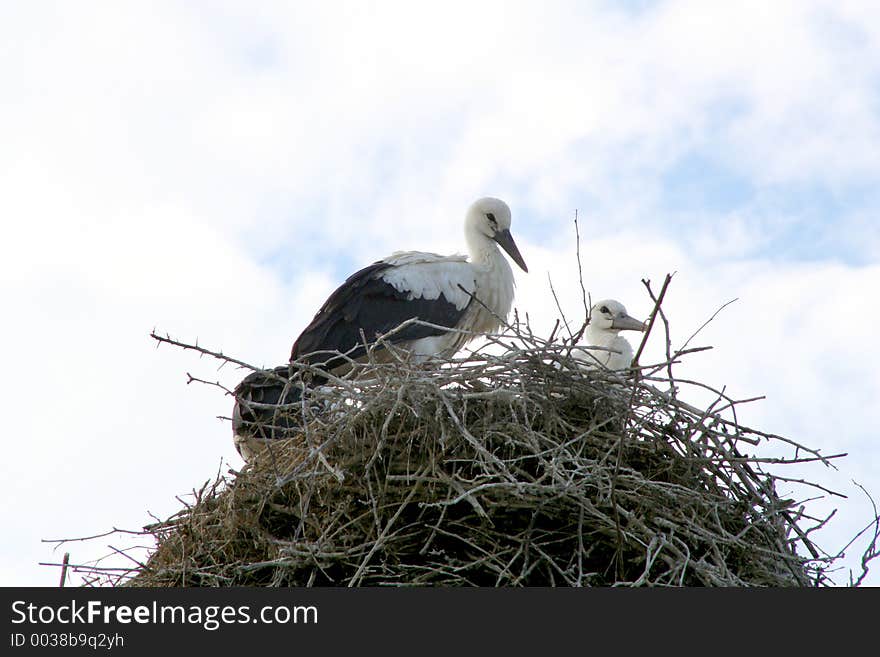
<point x="214" y="171"/>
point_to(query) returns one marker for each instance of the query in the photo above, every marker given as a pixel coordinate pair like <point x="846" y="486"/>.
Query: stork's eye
<point x="492" y="220"/>
<point x="604" y="309"/>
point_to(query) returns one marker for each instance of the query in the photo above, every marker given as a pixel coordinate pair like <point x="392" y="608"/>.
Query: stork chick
<point x="607" y="319"/>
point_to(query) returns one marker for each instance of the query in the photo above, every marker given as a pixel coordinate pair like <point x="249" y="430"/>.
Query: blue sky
<point x="216" y="175"/>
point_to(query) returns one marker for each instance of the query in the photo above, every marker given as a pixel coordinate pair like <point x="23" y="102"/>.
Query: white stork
<point x="607" y="319"/>
<point x="471" y="294"/>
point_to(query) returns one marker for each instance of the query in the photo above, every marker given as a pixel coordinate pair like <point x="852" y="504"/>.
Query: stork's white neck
<point x="621" y="355"/>
<point x="602" y="337"/>
<point x="483" y="250"/>
<point x="494" y="270"/>
<point x="494" y="278"/>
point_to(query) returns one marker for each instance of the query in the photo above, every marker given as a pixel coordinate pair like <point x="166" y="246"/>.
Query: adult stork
<point x="607" y="319"/>
<point x="471" y="295"/>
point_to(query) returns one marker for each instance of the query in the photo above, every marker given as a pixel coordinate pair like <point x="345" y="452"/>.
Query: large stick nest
<point x="520" y="470"/>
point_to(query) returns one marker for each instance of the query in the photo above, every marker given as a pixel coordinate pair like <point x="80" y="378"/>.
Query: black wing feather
<point x="366" y="303"/>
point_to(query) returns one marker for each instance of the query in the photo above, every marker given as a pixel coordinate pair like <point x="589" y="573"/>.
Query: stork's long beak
<point x="505" y="241"/>
<point x="624" y="322"/>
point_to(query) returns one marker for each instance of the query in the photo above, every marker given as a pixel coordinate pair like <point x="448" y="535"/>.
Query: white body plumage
<point x="481" y="288"/>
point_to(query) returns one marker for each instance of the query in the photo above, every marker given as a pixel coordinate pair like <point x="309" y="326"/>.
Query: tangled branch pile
<point x="516" y="470"/>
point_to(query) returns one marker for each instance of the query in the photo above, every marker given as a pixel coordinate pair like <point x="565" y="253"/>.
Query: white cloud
<point x="207" y="174"/>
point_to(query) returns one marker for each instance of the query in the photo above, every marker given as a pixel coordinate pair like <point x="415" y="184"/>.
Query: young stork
<point x="607" y="319"/>
<point x="471" y="294"/>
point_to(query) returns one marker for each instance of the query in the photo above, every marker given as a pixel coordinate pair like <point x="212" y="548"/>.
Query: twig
<point x="584" y="295"/>
<point x="652" y="317"/>
<point x="64" y="569"/>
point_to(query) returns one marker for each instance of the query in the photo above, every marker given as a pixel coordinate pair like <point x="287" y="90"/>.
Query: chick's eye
<point x="491" y="218"/>
<point x="604" y="309"/>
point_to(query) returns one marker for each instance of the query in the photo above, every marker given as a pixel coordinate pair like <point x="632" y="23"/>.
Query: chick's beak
<point x="624" y="322"/>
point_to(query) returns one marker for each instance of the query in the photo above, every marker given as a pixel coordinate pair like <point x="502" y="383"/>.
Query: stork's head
<point x="610" y="315"/>
<point x="490" y="217"/>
